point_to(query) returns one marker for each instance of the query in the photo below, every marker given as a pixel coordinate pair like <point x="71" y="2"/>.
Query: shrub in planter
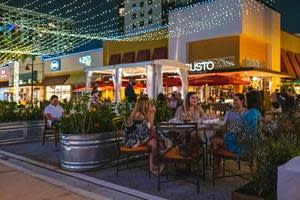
<point x="85" y="143"/>
<point x="10" y="112"/>
<point x="276" y="144"/>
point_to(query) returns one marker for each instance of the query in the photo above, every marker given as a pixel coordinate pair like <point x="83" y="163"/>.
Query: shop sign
<point x="86" y="60"/>
<point x="202" y="66"/>
<point x="55" y="65"/>
<point x="211" y="64"/>
<point x="3" y="73"/>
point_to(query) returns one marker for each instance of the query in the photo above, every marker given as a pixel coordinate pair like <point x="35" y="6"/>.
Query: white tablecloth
<point x="288" y="182"/>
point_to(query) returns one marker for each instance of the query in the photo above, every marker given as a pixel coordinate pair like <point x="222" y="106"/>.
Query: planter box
<point x="245" y="193"/>
<point x="87" y="151"/>
<point x="21" y="129"/>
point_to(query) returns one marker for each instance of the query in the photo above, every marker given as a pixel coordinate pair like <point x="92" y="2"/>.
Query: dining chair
<point x="230" y="172"/>
<point x="53" y="130"/>
<point x="180" y="133"/>
<point x="118" y="124"/>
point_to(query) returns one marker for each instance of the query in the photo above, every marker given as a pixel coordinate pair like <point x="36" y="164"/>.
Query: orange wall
<point x="290" y="42"/>
<point x="214" y="48"/>
<point x="252" y="49"/>
<point x="239" y="46"/>
<point x="116" y="47"/>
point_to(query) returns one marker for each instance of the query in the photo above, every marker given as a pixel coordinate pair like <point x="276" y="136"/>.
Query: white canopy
<point x="152" y="69"/>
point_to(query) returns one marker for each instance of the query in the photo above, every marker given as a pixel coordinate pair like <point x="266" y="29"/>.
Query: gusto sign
<point x="202" y="66"/>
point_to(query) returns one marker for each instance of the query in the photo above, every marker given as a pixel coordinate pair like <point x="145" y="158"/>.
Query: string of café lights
<point x="101" y="23"/>
<point x="208" y="21"/>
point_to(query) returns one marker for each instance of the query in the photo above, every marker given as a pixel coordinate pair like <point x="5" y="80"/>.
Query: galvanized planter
<point x="84" y="152"/>
<point x="21" y="130"/>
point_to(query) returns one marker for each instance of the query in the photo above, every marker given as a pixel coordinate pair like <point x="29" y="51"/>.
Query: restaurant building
<point x="239" y="40"/>
<point x="64" y="76"/>
<point x="5" y="92"/>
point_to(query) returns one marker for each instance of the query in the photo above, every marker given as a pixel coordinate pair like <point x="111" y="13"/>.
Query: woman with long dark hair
<point x="239" y="124"/>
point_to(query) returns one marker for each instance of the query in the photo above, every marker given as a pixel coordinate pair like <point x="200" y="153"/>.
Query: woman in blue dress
<point x="239" y="125"/>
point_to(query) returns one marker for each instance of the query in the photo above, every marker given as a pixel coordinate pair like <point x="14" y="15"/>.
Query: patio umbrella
<point x="217" y="80"/>
<point x="171" y="81"/>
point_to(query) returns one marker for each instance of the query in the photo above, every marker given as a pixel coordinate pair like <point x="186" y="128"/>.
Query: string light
<point x="105" y="23"/>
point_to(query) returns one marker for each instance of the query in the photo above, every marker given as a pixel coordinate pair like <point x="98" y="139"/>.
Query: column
<point x="159" y="80"/>
<point x="89" y="75"/>
<point x="16" y="80"/>
<point x="150" y="79"/>
<point x="117" y="80"/>
<point x="183" y="74"/>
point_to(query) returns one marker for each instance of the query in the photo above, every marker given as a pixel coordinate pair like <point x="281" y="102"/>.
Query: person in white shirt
<point x="53" y="112"/>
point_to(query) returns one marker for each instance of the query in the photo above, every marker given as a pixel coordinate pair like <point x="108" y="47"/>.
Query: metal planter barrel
<point x="84" y="152"/>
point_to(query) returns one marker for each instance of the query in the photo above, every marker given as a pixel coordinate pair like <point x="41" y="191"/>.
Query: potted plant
<point x="20" y="123"/>
<point x="276" y="144"/>
<point x="86" y="138"/>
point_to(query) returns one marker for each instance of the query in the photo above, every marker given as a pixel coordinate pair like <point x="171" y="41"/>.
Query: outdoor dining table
<point x="203" y="126"/>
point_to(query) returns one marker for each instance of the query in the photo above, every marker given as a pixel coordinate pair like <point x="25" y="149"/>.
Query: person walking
<point x="129" y="91"/>
<point x="274" y="99"/>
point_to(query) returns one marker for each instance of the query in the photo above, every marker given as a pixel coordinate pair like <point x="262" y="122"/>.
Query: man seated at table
<point x="53" y="112"/>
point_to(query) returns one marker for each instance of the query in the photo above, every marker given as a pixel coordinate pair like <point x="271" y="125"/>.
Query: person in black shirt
<point x="129" y="91"/>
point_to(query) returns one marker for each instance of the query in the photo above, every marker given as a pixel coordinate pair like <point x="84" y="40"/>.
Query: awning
<point x="292" y="58"/>
<point x="286" y="64"/>
<point x="76" y="79"/>
<point x="55" y="80"/>
<point x="217" y="80"/>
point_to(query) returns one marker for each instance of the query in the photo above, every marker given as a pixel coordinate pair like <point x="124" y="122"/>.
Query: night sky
<point x="289" y="9"/>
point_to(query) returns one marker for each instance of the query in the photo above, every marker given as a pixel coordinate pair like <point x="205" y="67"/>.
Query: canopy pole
<point x="89" y="75"/>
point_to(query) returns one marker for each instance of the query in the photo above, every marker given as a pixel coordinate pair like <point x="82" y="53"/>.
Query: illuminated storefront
<point x="65" y="77"/>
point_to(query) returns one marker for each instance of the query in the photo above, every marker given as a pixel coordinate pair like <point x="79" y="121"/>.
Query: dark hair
<point x="95" y="90"/>
<point x="187" y="98"/>
<point x="161" y="97"/>
<point x="240" y="96"/>
<point x="254" y="100"/>
<point x="53" y="97"/>
<point x="276" y="90"/>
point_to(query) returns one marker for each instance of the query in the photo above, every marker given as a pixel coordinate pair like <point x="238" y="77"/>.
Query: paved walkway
<point x="16" y="185"/>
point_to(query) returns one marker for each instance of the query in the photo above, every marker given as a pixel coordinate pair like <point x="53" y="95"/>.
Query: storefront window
<point x="62" y="91"/>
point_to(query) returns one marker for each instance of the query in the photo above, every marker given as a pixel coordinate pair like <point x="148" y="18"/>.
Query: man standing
<point x="129" y="91"/>
<point x="53" y="112"/>
<point x="274" y="99"/>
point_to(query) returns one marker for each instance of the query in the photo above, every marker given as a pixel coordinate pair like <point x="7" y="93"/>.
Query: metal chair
<point x="179" y="133"/>
<point x="53" y="130"/>
<point x="118" y="124"/>
<point x="223" y="159"/>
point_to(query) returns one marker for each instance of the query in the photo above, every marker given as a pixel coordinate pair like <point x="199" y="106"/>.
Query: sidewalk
<point x="16" y="185"/>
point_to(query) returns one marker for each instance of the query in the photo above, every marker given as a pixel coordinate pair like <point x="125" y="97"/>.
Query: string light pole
<point x="27" y="68"/>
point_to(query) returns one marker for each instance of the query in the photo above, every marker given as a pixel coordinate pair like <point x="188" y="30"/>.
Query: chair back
<point x="118" y="124"/>
<point x="45" y="122"/>
<point x="170" y="130"/>
<point x="177" y="133"/>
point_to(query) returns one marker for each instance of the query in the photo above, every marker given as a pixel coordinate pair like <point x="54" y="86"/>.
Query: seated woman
<point x="190" y="111"/>
<point x="238" y="120"/>
<point x="140" y="130"/>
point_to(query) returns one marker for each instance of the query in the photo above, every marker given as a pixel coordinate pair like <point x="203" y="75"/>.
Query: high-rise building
<point x="138" y="15"/>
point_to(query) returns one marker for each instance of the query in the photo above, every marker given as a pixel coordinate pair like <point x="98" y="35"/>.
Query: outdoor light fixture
<point x="27" y="67"/>
<point x="254" y="78"/>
